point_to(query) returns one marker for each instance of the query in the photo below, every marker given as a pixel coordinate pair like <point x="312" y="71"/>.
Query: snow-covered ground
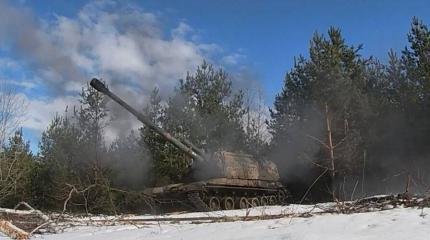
<point x="398" y="223"/>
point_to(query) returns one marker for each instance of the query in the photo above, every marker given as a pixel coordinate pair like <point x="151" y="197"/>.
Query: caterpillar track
<point x="197" y="202"/>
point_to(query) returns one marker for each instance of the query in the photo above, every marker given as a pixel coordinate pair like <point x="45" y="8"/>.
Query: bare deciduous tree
<point x="13" y="108"/>
<point x="255" y="120"/>
<point x="12" y="162"/>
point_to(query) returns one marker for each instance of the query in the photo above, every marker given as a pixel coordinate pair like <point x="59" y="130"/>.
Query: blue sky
<point x="270" y="33"/>
<point x="260" y="36"/>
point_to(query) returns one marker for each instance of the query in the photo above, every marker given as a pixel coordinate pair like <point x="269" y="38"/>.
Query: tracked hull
<point x="220" y="193"/>
<point x="233" y="180"/>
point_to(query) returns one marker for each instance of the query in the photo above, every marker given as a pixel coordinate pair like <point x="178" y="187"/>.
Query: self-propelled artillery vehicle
<point x="226" y="180"/>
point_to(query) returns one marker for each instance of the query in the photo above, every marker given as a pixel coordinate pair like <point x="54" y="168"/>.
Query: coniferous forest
<point x="343" y="126"/>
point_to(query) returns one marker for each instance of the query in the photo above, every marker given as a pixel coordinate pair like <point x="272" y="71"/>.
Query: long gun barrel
<point x="185" y="146"/>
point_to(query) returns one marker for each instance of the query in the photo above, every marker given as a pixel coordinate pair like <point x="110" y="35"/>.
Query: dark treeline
<point x="343" y="126"/>
<point x="360" y="125"/>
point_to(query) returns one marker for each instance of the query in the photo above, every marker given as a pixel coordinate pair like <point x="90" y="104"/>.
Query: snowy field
<point x="398" y="223"/>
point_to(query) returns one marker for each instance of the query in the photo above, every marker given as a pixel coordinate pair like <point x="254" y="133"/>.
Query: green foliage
<point x="58" y="162"/>
<point x="16" y="165"/>
<point x="332" y="77"/>
<point x="91" y="121"/>
<point x="71" y="153"/>
<point x="416" y="59"/>
<point x="375" y="114"/>
<point x="368" y="105"/>
<point x="164" y="167"/>
<point x="204" y="110"/>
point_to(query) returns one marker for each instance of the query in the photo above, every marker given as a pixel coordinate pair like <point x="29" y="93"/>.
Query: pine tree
<point x="415" y="93"/>
<point x="162" y="170"/>
<point x="91" y="120"/>
<point x="205" y="110"/>
<point x="320" y="111"/>
<point x="417" y="60"/>
<point x="58" y="161"/>
<point x="16" y="164"/>
<point x="209" y="111"/>
<point x="72" y="151"/>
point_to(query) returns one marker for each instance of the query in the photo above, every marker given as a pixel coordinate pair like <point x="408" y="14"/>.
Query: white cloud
<point x="123" y="44"/>
<point x="126" y="46"/>
<point x="27" y="84"/>
<point x="8" y="64"/>
<point x="233" y="59"/>
<point x="10" y="67"/>
<point x="182" y="30"/>
<point x="41" y="111"/>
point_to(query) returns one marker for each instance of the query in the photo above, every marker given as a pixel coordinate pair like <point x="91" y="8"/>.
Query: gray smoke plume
<point x="22" y="34"/>
<point x="121" y="43"/>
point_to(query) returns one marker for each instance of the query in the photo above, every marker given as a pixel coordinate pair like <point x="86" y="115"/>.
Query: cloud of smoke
<point x="30" y="41"/>
<point x="122" y="44"/>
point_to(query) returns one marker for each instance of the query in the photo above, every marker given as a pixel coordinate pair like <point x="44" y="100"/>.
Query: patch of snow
<point x="398" y="223"/>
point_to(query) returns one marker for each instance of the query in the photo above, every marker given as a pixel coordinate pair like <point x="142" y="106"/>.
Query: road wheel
<point x="264" y="201"/>
<point x="214" y="203"/>
<point x="281" y="197"/>
<point x="228" y="203"/>
<point x="254" y="202"/>
<point x="243" y="203"/>
<point x="272" y="200"/>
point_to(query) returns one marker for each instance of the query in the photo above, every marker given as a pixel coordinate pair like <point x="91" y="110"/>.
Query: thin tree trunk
<point x="331" y="150"/>
<point x="364" y="173"/>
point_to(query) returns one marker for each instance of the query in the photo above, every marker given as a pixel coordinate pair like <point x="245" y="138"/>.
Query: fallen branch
<point x="13" y="231"/>
<point x="29" y="221"/>
<point x="75" y="190"/>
